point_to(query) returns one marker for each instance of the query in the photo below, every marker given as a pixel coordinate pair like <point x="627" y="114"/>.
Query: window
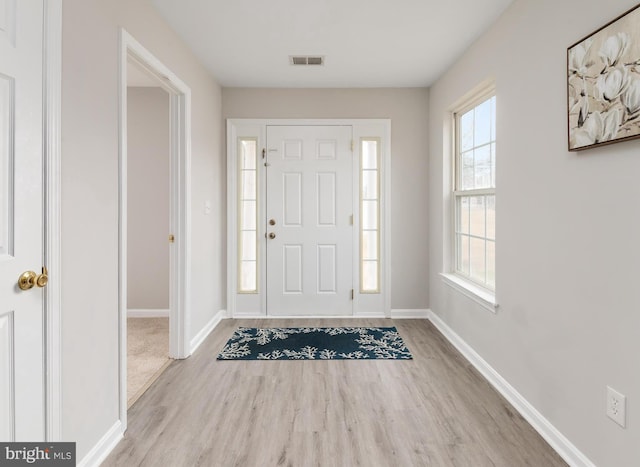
<point x="369" y="215"/>
<point x="475" y="192"/>
<point x="248" y="215"/>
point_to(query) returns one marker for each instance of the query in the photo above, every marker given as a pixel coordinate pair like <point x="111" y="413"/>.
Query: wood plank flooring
<point x="435" y="410"/>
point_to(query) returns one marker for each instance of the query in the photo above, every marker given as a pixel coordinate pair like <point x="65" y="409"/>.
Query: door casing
<point x="254" y="306"/>
<point x="52" y="75"/>
<point x="180" y="205"/>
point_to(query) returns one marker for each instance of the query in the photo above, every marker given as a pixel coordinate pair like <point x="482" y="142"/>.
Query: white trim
<point x="147" y="313"/>
<point x="410" y="314"/>
<point x="207" y="329"/>
<point x="258" y="127"/>
<point x="386" y="202"/>
<point x="180" y="196"/>
<point x="482" y="91"/>
<point x="302" y="318"/>
<point x="567" y="450"/>
<point x="103" y="447"/>
<point x="481" y="296"/>
<point x="52" y="75"/>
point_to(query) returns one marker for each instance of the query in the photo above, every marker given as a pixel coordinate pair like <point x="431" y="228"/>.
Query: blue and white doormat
<point x="315" y="344"/>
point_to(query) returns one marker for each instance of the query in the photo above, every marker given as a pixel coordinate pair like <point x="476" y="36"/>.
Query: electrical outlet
<point x="617" y="407"/>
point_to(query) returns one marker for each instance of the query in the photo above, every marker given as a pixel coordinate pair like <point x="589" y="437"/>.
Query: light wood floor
<point x="435" y="410"/>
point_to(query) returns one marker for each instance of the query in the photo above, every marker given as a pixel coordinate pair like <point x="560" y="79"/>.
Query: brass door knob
<point x="272" y="235"/>
<point x="27" y="280"/>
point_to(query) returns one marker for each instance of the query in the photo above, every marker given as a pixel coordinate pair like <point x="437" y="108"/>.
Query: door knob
<point x="272" y="235"/>
<point x="29" y="279"/>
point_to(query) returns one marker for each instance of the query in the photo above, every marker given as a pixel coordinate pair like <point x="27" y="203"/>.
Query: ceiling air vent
<point x="306" y="60"/>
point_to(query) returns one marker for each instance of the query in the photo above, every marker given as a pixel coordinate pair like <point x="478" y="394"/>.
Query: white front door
<point x="309" y="209"/>
<point x="21" y="221"/>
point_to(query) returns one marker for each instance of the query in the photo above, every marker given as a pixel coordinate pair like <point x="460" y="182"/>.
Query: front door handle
<point x="272" y="235"/>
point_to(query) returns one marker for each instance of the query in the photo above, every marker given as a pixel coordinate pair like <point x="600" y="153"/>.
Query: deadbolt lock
<point x="42" y="279"/>
<point x="272" y="222"/>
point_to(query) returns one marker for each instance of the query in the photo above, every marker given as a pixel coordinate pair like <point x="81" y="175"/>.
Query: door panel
<point x="8" y="21"/>
<point x="6" y="165"/>
<point x="292" y="183"/>
<point x="21" y="227"/>
<point x="292" y="269"/>
<point x="6" y="377"/>
<point x="327" y="273"/>
<point x="326" y="184"/>
<point x="309" y="196"/>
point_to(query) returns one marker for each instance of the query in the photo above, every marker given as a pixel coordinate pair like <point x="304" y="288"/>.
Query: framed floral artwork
<point x="603" y="77"/>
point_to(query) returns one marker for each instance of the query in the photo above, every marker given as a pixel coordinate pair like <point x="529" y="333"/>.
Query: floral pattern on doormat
<point x="315" y="344"/>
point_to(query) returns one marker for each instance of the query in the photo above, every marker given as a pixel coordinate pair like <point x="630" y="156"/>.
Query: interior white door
<point x="21" y="221"/>
<point x="309" y="221"/>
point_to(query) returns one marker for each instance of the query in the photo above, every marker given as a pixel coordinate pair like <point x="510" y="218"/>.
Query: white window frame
<point x="478" y="292"/>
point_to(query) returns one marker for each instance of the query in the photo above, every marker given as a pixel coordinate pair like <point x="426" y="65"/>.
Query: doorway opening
<point x="154" y="187"/>
<point x="148" y="147"/>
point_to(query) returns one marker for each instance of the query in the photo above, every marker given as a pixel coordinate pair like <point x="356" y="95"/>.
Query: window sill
<point x="482" y="297"/>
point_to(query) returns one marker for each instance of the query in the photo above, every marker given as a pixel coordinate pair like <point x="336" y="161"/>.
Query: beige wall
<point x="148" y="198"/>
<point x="407" y="109"/>
<point x="567" y="231"/>
<point x="90" y="201"/>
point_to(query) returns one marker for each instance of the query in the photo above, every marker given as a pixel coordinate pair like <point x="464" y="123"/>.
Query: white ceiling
<point x="367" y="43"/>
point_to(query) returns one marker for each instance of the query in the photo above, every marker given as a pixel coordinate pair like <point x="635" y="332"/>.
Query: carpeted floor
<point x="147" y="354"/>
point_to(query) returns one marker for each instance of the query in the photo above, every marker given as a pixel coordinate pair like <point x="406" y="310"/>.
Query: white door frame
<point x="180" y="205"/>
<point x="52" y="76"/>
<point x="257" y="128"/>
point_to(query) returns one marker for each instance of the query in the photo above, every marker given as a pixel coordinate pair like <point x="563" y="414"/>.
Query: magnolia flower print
<point x="613" y="83"/>
<point x="599" y="127"/>
<point x="612" y="122"/>
<point x="614" y="48"/>
<point x="578" y="57"/>
<point x="604" y="85"/>
<point x="631" y="97"/>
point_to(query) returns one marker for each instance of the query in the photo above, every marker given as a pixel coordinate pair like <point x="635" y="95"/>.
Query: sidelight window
<point x="370" y="215"/>
<point x="248" y="215"/>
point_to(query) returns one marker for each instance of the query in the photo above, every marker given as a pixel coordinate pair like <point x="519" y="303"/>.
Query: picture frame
<point x="603" y="84"/>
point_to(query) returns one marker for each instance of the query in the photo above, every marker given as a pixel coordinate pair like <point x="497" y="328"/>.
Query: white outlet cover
<point x="617" y="407"/>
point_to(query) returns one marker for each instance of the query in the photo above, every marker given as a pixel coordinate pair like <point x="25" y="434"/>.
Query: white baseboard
<point x="103" y="447"/>
<point x="362" y="316"/>
<point x="567" y="450"/>
<point x="145" y="313"/>
<point x="206" y="330"/>
<point x="410" y="314"/>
